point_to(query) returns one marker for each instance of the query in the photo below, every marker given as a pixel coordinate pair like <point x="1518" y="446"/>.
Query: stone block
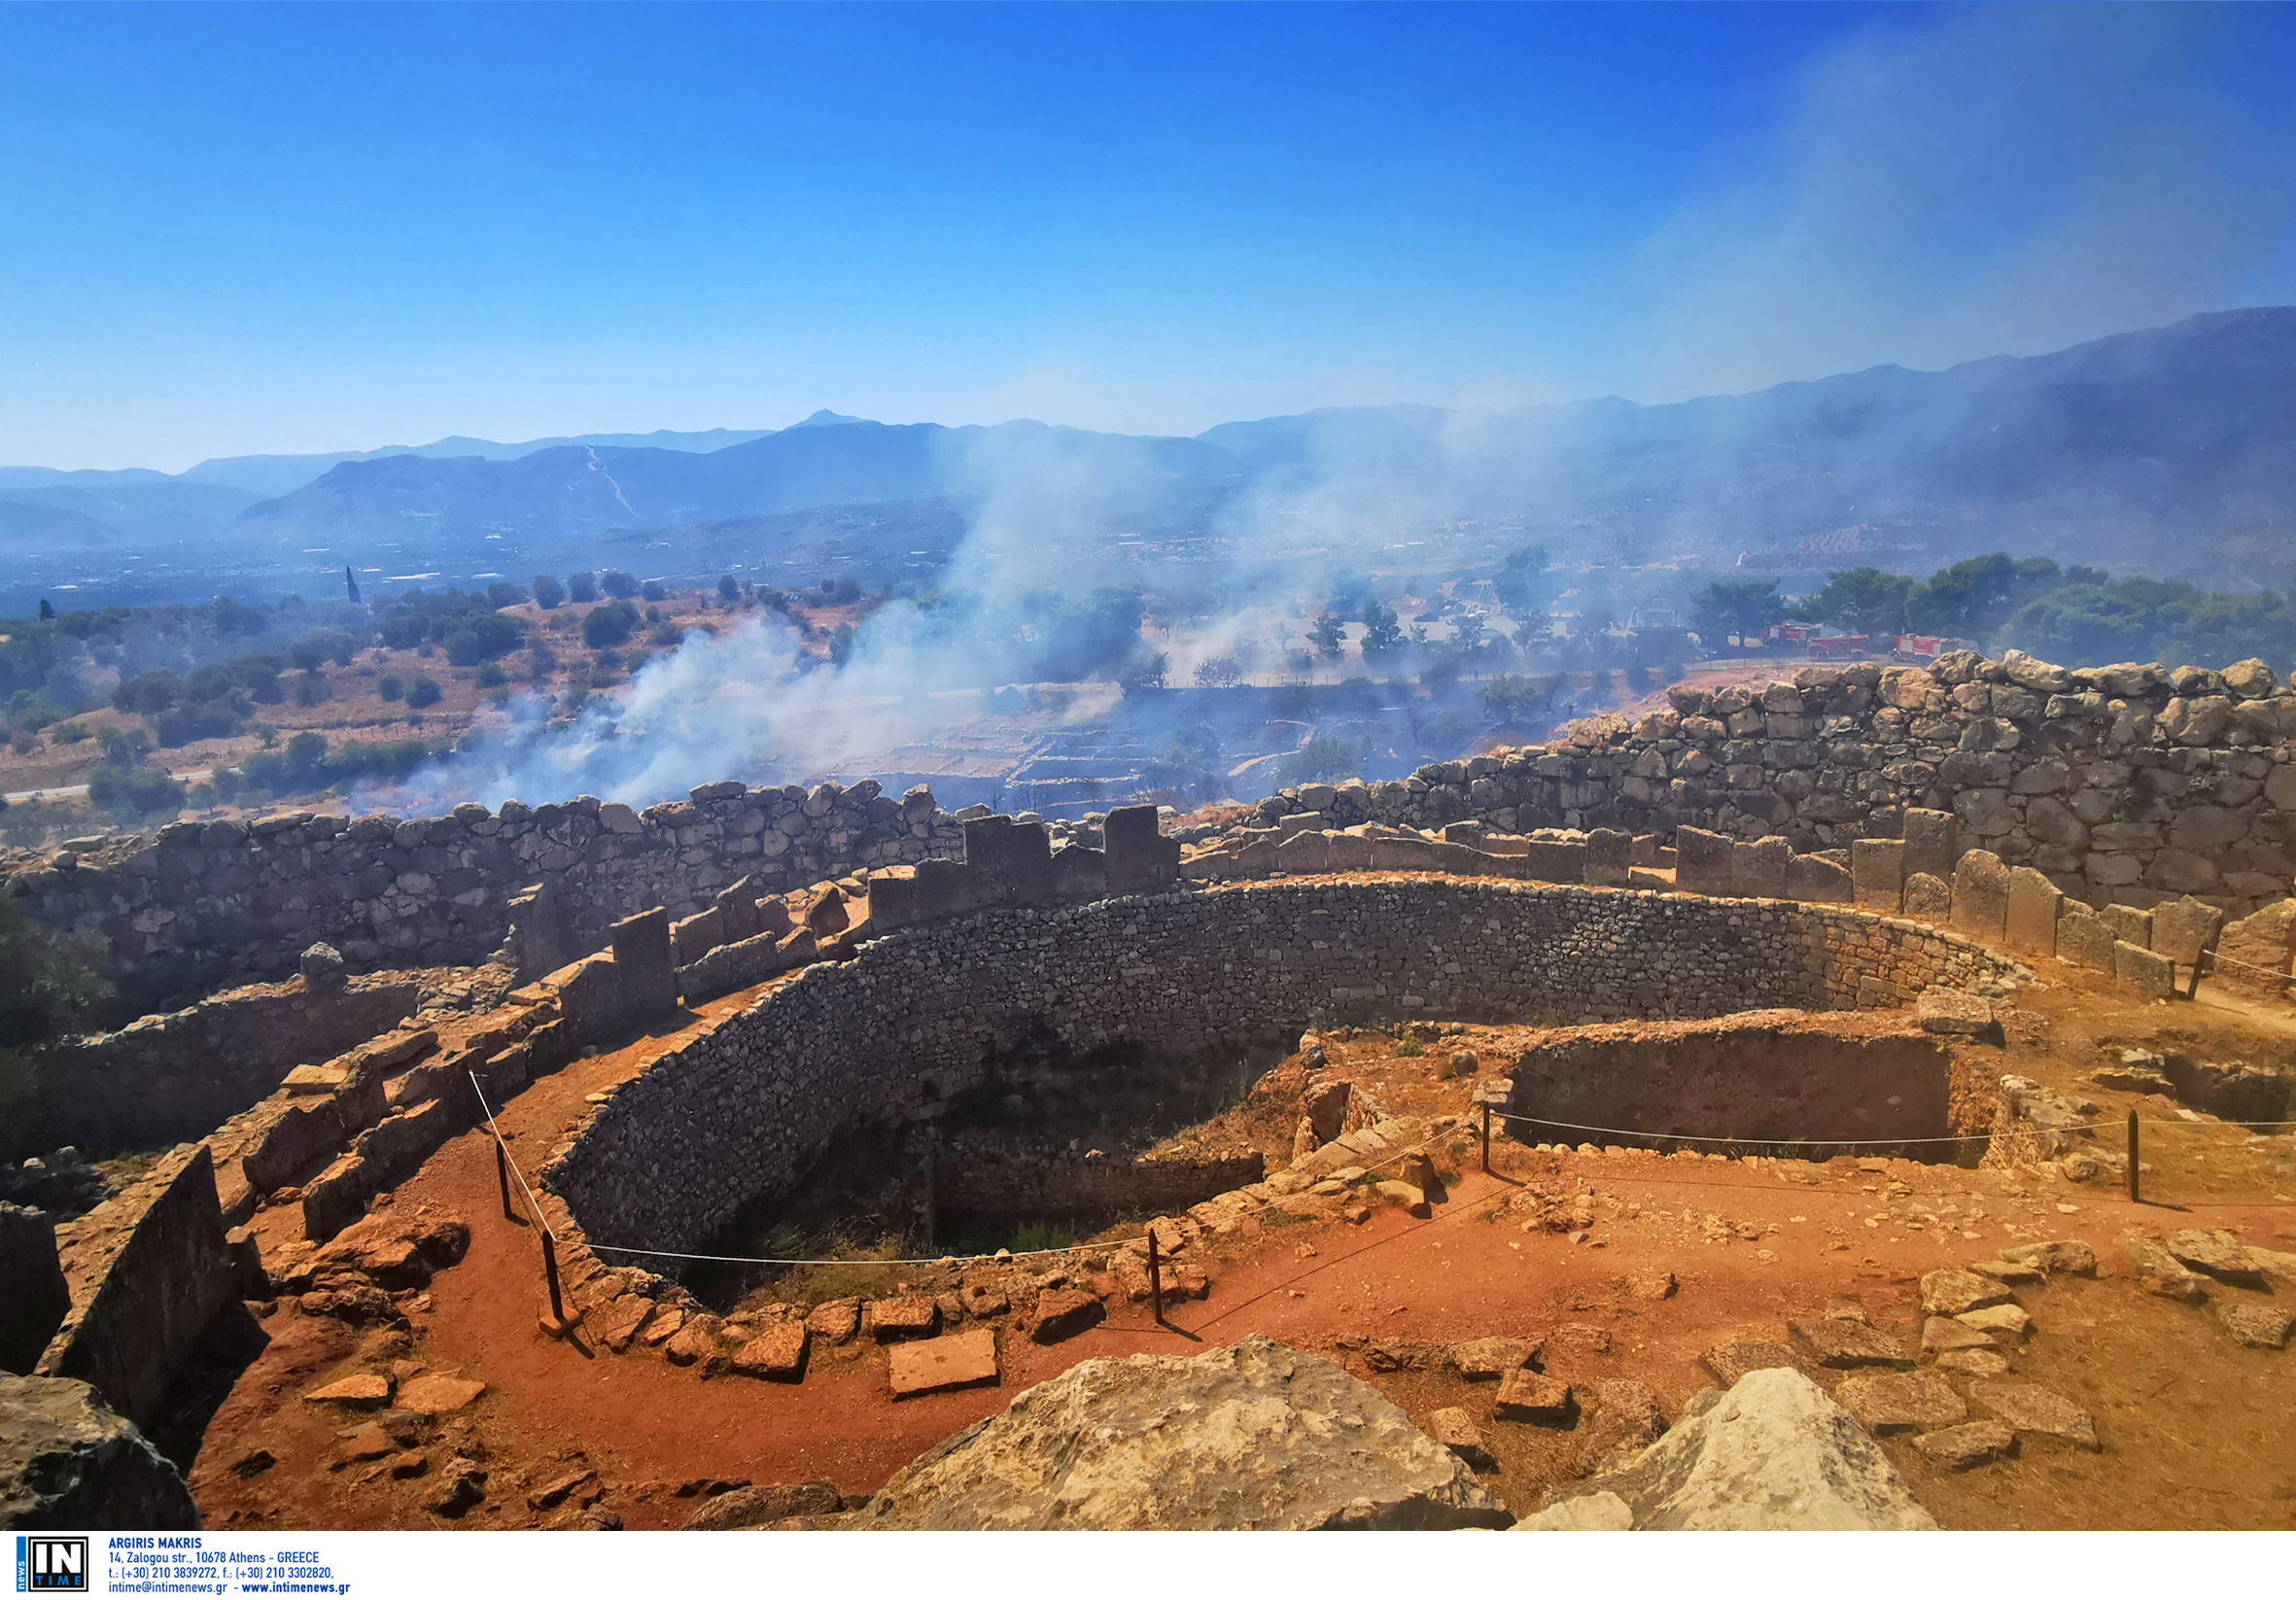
<point x="2254" y="955"/>
<point x="2154" y="977"/>
<point x="2182" y="928"/>
<point x="1841" y="1342"/>
<point x="1757" y="870"/>
<point x="1608" y="857"/>
<point x="1894" y="1402"/>
<point x="1702" y="862"/>
<point x="777" y="1354"/>
<point x="1815" y="878"/>
<point x="954" y="1361"/>
<point x="1525" y="1396"/>
<point x="1007" y="863"/>
<point x="36" y="1299"/>
<point x="1140" y="860"/>
<point x="642" y="962"/>
<point x="1929" y="897"/>
<point x="693" y="937"/>
<point x="1079" y="873"/>
<point x="1933" y="842"/>
<point x="2084" y="939"/>
<point x="2031" y="919"/>
<point x="737" y="911"/>
<point x="150" y="1270"/>
<point x="1981" y="896"/>
<point x="2131" y="923"/>
<point x="1877" y="873"/>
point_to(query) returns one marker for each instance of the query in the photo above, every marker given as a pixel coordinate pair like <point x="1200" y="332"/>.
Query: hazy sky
<point x="227" y="229"/>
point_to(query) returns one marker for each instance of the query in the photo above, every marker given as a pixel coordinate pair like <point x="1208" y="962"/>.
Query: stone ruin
<point x="1858" y="838"/>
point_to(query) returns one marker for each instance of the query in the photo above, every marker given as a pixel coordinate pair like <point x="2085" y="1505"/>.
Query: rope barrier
<point x="502" y="1144"/>
<point x="1003" y="1255"/>
<point x="1460" y="1131"/>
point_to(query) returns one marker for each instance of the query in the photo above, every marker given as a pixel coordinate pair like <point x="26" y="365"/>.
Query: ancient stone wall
<point x="171" y="1076"/>
<point x="201" y="904"/>
<point x="913" y="1016"/>
<point x="2125" y="784"/>
<point x="148" y="1272"/>
<point x="1027" y="1184"/>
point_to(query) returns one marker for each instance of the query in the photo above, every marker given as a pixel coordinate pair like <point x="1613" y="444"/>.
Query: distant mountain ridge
<point x="2172" y="448"/>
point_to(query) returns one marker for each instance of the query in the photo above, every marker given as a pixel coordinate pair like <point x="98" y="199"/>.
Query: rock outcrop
<point x="1773" y="1452"/>
<point x="67" y="1460"/>
<point x="1254" y="1435"/>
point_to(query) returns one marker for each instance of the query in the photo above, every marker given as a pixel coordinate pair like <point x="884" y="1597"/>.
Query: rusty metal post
<point x="1486" y="1136"/>
<point x="1155" y="1277"/>
<point x="550" y="1271"/>
<point x="2133" y="1157"/>
<point x="501" y="1173"/>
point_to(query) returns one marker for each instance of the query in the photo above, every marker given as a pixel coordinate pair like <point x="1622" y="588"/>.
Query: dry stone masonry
<point x="2123" y="785"/>
<point x="741" y="1111"/>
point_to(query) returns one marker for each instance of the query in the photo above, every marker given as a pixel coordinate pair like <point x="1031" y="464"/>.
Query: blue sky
<point x="231" y="229"/>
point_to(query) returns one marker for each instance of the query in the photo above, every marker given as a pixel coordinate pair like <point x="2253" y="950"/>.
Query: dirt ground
<point x="2191" y="1422"/>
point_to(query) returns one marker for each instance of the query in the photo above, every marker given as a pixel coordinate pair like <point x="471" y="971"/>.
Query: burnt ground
<point x="2190" y="1421"/>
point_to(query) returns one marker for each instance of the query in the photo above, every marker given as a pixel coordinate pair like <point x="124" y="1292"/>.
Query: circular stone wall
<point x="740" y="1113"/>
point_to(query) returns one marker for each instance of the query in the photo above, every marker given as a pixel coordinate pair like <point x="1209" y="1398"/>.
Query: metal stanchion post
<point x="550" y="1271"/>
<point x="502" y="1172"/>
<point x="1155" y="1277"/>
<point x="2132" y="1156"/>
<point x="1486" y="1138"/>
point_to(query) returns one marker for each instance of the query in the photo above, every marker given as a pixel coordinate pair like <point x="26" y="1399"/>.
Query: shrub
<point x="391" y="687"/>
<point x="421" y="692"/>
<point x="653" y="589"/>
<point x="610" y="625"/>
<point x="504" y="593"/>
<point x="581" y="587"/>
<point x="148" y="693"/>
<point x="491" y="676"/>
<point x="617" y="583"/>
<point x="129" y="793"/>
<point x="548" y="593"/>
<point x="310" y="689"/>
<point x="729" y="589"/>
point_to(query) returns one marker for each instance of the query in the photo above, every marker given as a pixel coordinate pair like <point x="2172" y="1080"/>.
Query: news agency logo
<point x="46" y="1565"/>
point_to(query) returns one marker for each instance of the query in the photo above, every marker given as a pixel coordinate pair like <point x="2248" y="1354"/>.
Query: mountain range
<point x="2170" y="449"/>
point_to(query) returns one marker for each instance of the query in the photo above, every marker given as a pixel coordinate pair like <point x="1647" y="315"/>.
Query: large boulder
<point x="67" y="1460"/>
<point x="1773" y="1452"/>
<point x="1254" y="1435"/>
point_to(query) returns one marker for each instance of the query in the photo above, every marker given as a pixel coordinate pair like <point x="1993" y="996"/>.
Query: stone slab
<point x="776" y="1355"/>
<point x="1981" y="896"/>
<point x="1896" y="1403"/>
<point x="954" y="1361"/>
<point x="1729" y="1363"/>
<point x="439" y="1394"/>
<point x="1525" y="1396"/>
<point x="2032" y="914"/>
<point x="1971" y="1444"/>
<point x="1877" y="873"/>
<point x="2035" y="1413"/>
<point x="1840" y="1342"/>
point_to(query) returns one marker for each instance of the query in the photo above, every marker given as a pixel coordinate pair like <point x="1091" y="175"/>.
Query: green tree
<point x="618" y="583"/>
<point x="1971" y="598"/>
<point x="1328" y="637"/>
<point x="1219" y="671"/>
<point x="548" y="593"/>
<point x="1520" y="581"/>
<point x="132" y="793"/>
<point x="610" y="625"/>
<point x="581" y="587"/>
<point x="729" y="588"/>
<point x="1864" y="600"/>
<point x="1382" y="634"/>
<point x="421" y="692"/>
<point x="1739" y="606"/>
